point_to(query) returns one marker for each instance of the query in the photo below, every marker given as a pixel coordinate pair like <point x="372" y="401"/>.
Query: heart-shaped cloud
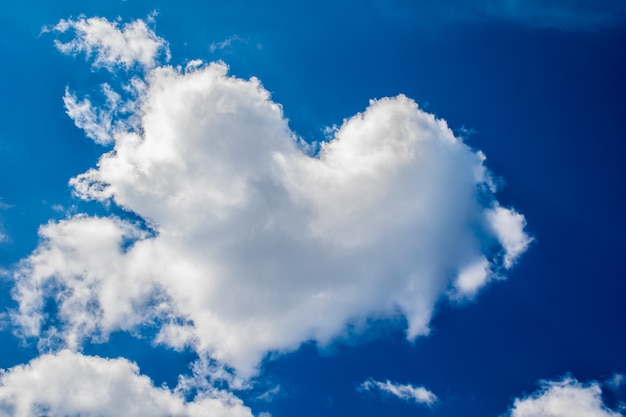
<point x="257" y="246"/>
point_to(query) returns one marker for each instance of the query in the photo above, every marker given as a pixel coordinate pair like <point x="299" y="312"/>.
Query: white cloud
<point x="564" y="398"/>
<point x="258" y="246"/>
<point x="70" y="384"/>
<point x="419" y="395"/>
<point x="509" y="225"/>
<point x="81" y="250"/>
<point x="96" y="123"/>
<point x="471" y="279"/>
<point x="111" y="45"/>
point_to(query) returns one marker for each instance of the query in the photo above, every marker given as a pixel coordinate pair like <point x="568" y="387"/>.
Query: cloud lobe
<point x="565" y="398"/>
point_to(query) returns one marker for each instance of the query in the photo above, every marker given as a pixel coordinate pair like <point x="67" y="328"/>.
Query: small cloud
<point x="58" y="208"/>
<point x="508" y="225"/>
<point x="228" y="42"/>
<point x="470" y="279"/>
<point x="111" y="45"/>
<point x="564" y="398"/>
<point x="409" y="393"/>
<point x="193" y="65"/>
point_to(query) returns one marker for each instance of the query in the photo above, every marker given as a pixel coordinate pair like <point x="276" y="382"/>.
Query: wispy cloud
<point x="226" y="43"/>
<point x="270" y="394"/>
<point x="616" y="381"/>
<point x="96" y="123"/>
<point x="408" y="392"/>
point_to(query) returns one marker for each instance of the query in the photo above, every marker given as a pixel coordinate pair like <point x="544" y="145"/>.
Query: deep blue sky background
<point x="547" y="106"/>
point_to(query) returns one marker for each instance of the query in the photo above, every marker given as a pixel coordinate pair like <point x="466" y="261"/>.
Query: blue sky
<point x="332" y="208"/>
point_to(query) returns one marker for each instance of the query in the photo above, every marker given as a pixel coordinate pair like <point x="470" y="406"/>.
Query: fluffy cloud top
<point x="419" y="395"/>
<point x="565" y="398"/>
<point x="70" y="384"/>
<point x="111" y="45"/>
<point x="254" y="245"/>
